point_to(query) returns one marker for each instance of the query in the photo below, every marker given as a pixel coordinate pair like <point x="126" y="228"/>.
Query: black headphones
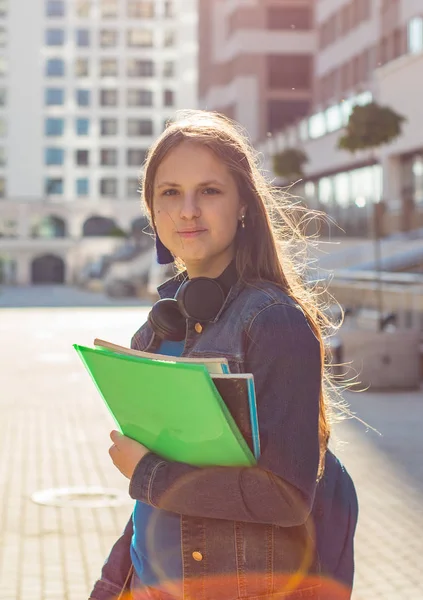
<point x="199" y="298"/>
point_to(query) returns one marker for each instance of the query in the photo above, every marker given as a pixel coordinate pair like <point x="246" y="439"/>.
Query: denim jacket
<point x="250" y="532"/>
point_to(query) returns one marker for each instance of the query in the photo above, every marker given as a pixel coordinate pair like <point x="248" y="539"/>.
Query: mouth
<point x="191" y="233"/>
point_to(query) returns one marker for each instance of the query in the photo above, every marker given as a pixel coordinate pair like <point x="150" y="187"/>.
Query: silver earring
<point x="243" y="221"/>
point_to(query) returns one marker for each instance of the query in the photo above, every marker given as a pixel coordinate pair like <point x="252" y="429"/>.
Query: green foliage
<point x="289" y="163"/>
<point x="371" y="126"/>
<point x="117" y="232"/>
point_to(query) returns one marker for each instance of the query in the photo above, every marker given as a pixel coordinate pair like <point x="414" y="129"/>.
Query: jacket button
<point x="198" y="327"/>
<point x="197" y="556"/>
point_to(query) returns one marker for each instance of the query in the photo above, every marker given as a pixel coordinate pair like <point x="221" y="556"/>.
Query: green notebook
<point x="173" y="409"/>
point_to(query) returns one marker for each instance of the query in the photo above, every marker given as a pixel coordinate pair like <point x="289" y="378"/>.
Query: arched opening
<point x="101" y="227"/>
<point x="49" y="227"/>
<point x="48" y="269"/>
<point x="141" y="232"/>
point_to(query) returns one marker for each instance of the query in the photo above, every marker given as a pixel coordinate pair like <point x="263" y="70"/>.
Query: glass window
<point x="168" y="8"/>
<point x="108" y="127"/>
<point x="342" y="189"/>
<point x="82" y="186"/>
<point x="3" y="65"/>
<point x="168" y="98"/>
<point x="3" y="127"/>
<point x="83" y="97"/>
<point x="317" y="125"/>
<point x="82" y="126"/>
<point x="108" y="97"/>
<point x="138" y="9"/>
<point x="55" y="8"/>
<point x="325" y="190"/>
<point x="140" y="68"/>
<point x="140" y="98"/>
<point x="54" y="97"/>
<point x="55" y="67"/>
<point x="108" y="157"/>
<point x="82" y="37"/>
<point x="2" y="187"/>
<point x="333" y="118"/>
<point x="108" y="67"/>
<point x="3" y="7"/>
<point x="108" y="186"/>
<point x="82" y="67"/>
<point x="415" y="35"/>
<point x="132" y="187"/>
<point x="3" y="97"/>
<point x="108" y="38"/>
<point x="169" y="38"/>
<point x="141" y="38"/>
<point x="3" y="158"/>
<point x="83" y="8"/>
<point x="135" y="157"/>
<point x="136" y="127"/>
<point x="54" y="127"/>
<point x="169" y="68"/>
<point x="109" y="9"/>
<point x="54" y="156"/>
<point x="82" y="158"/>
<point x="55" y="37"/>
<point x="54" y="186"/>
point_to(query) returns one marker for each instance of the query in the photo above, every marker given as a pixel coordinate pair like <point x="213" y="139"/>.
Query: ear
<point x="242" y="211"/>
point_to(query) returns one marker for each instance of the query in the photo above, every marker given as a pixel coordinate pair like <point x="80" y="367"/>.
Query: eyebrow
<point x="202" y="184"/>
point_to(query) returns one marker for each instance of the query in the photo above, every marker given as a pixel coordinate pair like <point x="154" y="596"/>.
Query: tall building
<point x="85" y="87"/>
<point x="256" y="61"/>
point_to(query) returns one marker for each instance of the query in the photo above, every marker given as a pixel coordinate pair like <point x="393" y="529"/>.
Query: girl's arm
<point x="284" y="356"/>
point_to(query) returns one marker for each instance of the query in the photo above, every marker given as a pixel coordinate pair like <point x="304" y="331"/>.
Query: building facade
<point x="256" y="61"/>
<point x="85" y="87"/>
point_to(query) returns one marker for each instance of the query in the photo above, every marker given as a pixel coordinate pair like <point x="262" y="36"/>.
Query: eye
<point x="211" y="190"/>
<point x="170" y="192"/>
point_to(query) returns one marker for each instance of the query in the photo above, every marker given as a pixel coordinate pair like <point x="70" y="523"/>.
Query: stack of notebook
<point x="184" y="409"/>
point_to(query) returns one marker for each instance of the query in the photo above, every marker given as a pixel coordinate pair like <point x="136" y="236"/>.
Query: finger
<point x="115" y="435"/>
<point x="113" y="452"/>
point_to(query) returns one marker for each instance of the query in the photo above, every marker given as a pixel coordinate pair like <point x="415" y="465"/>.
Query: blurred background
<point x="330" y="94"/>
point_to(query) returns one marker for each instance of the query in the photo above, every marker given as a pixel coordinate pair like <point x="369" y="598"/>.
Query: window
<point x="82" y="37"/>
<point x="139" y="127"/>
<point x="108" y="127"/>
<point x="55" y="8"/>
<point x="169" y="39"/>
<point x="3" y="8"/>
<point x="169" y="69"/>
<point x="168" y="6"/>
<point x="54" y="127"/>
<point x="82" y="126"/>
<point x="83" y="8"/>
<point x="54" y="97"/>
<point x="55" y="67"/>
<point x="281" y="113"/>
<point x="3" y="97"/>
<point x="3" y="65"/>
<point x="138" y="9"/>
<point x="54" y="156"/>
<point x="168" y="98"/>
<point x="109" y="9"/>
<point x="109" y="67"/>
<point x="140" y="98"/>
<point x="2" y="187"/>
<point x="82" y="186"/>
<point x="55" y="37"/>
<point x="141" y="38"/>
<point x="83" y="97"/>
<point x="3" y="158"/>
<point x="82" y="67"/>
<point x="140" y="68"/>
<point x="295" y="18"/>
<point x="108" y="97"/>
<point x="289" y="71"/>
<point x="108" y="38"/>
<point x="132" y="187"/>
<point x="82" y="158"/>
<point x="135" y="157"/>
<point x="415" y="35"/>
<point x="54" y="186"/>
<point x="108" y="157"/>
<point x="3" y="127"/>
<point x="108" y="186"/>
<point x="3" y="37"/>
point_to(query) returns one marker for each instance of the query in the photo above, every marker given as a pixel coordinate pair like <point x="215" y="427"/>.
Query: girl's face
<point x="197" y="209"/>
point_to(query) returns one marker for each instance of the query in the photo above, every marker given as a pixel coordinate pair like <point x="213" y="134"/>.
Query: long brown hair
<point x="269" y="245"/>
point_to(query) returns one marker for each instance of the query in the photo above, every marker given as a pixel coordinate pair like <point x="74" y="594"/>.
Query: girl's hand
<point x="126" y="453"/>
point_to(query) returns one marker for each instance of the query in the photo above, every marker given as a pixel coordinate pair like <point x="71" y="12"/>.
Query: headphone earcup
<point x="200" y="299"/>
<point x="167" y="321"/>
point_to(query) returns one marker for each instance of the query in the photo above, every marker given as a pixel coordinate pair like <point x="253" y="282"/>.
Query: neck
<point x="212" y="270"/>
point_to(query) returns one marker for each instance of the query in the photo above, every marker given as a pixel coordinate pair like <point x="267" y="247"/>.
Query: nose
<point x="190" y="208"/>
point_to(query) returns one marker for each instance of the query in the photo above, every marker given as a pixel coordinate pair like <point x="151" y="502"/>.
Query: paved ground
<point x="54" y="434"/>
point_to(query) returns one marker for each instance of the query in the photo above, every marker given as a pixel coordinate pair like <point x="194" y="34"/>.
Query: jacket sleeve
<point x="116" y="568"/>
<point x="284" y="356"/>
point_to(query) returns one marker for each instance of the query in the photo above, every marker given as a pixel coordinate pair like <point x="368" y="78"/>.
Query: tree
<point x="370" y="126"/>
<point x="289" y="163"/>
